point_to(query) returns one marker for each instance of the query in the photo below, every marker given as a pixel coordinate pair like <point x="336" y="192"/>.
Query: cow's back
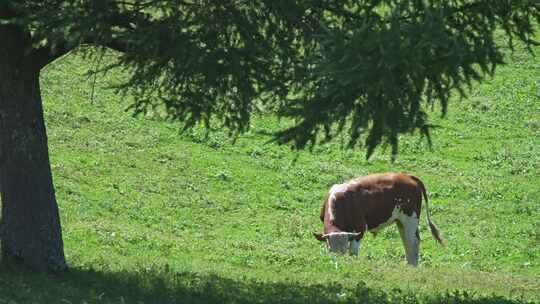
<point x="371" y="200"/>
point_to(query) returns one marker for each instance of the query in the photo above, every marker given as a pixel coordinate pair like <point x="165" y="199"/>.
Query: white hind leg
<point x="355" y="247"/>
<point x="408" y="230"/>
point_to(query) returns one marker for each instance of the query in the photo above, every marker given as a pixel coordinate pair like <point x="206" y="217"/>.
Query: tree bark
<point x="30" y="232"/>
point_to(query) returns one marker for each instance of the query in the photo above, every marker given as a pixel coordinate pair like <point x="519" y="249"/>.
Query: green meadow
<point x="152" y="215"/>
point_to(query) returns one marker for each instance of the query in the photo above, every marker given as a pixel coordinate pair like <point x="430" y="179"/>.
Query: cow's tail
<point x="432" y="227"/>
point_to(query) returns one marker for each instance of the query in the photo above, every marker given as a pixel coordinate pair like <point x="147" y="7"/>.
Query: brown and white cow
<point x="370" y="203"/>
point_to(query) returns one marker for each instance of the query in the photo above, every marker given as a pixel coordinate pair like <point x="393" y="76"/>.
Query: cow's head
<point x="337" y="241"/>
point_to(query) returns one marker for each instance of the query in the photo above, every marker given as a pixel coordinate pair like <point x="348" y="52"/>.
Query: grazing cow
<point x="370" y="203"/>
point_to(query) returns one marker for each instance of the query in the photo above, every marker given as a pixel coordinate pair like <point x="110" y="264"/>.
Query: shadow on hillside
<point x="79" y="286"/>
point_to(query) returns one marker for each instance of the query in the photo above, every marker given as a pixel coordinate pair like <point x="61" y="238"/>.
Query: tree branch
<point x="119" y="22"/>
<point x="44" y="55"/>
<point x="6" y="11"/>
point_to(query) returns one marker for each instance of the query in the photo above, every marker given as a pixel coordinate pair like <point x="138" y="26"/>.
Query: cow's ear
<point x="319" y="237"/>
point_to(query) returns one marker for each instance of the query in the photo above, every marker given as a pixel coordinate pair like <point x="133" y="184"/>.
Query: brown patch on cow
<point x="370" y="200"/>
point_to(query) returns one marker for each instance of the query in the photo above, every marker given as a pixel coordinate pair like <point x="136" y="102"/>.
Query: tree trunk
<point x="30" y="232"/>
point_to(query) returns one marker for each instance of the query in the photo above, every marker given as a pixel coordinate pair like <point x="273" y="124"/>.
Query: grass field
<point x="153" y="216"/>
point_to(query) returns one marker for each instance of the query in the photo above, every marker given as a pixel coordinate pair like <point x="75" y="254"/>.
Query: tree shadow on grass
<point x="167" y="286"/>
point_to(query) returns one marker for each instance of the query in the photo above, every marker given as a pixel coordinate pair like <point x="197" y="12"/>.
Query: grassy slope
<point x="152" y="216"/>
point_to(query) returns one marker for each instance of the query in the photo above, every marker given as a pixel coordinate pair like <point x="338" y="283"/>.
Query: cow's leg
<point x="408" y="230"/>
<point x="355" y="246"/>
<point x="355" y="243"/>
